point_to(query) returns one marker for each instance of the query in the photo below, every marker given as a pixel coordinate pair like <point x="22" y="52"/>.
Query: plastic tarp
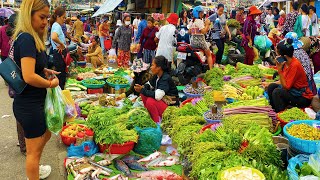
<point x="108" y="6"/>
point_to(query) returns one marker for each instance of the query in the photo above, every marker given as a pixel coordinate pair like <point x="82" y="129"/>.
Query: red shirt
<point x="296" y="77"/>
<point x="149" y="44"/>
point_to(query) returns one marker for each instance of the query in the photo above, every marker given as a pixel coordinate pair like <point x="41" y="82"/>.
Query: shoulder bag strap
<point x="11" y="51"/>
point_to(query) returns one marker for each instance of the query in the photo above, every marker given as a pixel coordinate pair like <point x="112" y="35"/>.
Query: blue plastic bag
<point x="149" y="140"/>
<point x="87" y="148"/>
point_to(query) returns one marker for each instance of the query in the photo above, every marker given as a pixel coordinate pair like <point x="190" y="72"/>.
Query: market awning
<point x="108" y="6"/>
<point x="187" y="6"/>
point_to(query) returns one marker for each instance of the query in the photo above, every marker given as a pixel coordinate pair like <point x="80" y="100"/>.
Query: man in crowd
<point x="135" y="24"/>
<point x="166" y="38"/>
<point x="142" y="25"/>
<point x="240" y="16"/>
<point x="78" y="28"/>
<point x="291" y="19"/>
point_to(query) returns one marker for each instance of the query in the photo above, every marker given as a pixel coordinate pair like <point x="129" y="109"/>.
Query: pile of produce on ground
<point x="229" y="146"/>
<point x="293" y="114"/>
<point x="214" y="78"/>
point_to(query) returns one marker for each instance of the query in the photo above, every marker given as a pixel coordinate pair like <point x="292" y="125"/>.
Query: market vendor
<point x="160" y="91"/>
<point x="95" y="56"/>
<point x="294" y="89"/>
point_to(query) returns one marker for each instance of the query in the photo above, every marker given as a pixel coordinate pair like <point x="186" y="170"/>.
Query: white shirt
<point x="306" y="22"/>
<point x="269" y="20"/>
<point x="166" y="41"/>
<point x="136" y="23"/>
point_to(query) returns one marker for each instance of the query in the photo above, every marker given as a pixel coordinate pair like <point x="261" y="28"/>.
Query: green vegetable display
<point x="139" y="117"/>
<point x="109" y="128"/>
<point x="243" y="120"/>
<point x="255" y="102"/>
<point x="214" y="78"/>
<point x="269" y="71"/>
<point x="117" y="80"/>
<point x="293" y="114"/>
<point x="229" y="69"/>
<point x="83" y="70"/>
<point x="93" y="81"/>
<point x="233" y="23"/>
<point x="252" y="70"/>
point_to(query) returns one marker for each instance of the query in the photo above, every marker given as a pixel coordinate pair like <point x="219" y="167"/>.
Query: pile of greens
<point x="117" y="80"/>
<point x="293" y="114"/>
<point x="252" y="70"/>
<point x="214" y="78"/>
<point x="230" y="145"/>
<point x="116" y="126"/>
<point x="234" y="23"/>
<point x="93" y="81"/>
<point x="229" y="69"/>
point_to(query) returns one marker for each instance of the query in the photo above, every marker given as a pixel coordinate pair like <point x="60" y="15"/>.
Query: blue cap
<point x="196" y="11"/>
<point x="297" y="44"/>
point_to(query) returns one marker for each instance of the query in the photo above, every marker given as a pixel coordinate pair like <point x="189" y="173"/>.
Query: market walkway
<point x="11" y="160"/>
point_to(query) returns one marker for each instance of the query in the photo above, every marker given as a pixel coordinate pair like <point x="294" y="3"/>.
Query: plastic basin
<point x="302" y="145"/>
<point x="116" y="148"/>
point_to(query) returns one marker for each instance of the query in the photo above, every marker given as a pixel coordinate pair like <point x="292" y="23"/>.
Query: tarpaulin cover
<point x="108" y="6"/>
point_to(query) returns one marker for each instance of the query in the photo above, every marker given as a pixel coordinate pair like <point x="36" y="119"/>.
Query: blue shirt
<point x="142" y="25"/>
<point x="57" y="29"/>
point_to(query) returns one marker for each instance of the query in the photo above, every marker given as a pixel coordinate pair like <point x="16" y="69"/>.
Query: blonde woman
<point x="28" y="107"/>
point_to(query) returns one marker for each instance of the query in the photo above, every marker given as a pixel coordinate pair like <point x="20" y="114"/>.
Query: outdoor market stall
<point x="225" y="129"/>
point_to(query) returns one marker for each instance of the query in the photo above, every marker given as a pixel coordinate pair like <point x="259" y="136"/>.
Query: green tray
<point x="93" y="86"/>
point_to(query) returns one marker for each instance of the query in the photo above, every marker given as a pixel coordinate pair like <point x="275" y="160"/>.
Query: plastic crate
<point x="95" y="91"/>
<point x="304" y="146"/>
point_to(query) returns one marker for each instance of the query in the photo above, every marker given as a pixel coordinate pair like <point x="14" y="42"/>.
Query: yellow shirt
<point x="78" y="28"/>
<point x="95" y="52"/>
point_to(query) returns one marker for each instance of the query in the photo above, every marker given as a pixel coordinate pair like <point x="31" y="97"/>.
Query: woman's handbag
<point x="11" y="72"/>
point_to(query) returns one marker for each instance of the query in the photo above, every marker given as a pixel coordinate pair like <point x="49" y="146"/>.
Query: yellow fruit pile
<point x="72" y="130"/>
<point x="304" y="131"/>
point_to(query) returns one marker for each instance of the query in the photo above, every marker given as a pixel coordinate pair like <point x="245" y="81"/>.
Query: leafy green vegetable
<point x="93" y="81"/>
<point x="117" y="80"/>
<point x="293" y="114"/>
<point x="253" y="70"/>
<point x="233" y="23"/>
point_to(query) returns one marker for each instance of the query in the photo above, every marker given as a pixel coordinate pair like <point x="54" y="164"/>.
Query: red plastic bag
<point x="107" y="44"/>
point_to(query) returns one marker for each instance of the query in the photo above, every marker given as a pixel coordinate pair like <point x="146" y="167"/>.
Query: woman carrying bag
<point x="147" y="42"/>
<point x="28" y="106"/>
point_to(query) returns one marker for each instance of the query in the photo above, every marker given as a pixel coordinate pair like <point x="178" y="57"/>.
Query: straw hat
<point x="306" y="43"/>
<point x="254" y="11"/>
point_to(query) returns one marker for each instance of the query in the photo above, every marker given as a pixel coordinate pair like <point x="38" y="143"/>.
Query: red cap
<point x="173" y="18"/>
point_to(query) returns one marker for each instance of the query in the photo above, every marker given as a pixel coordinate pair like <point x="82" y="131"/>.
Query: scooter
<point x="191" y="61"/>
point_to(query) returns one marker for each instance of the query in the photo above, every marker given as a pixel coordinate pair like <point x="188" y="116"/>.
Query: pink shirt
<point x="4" y="41"/>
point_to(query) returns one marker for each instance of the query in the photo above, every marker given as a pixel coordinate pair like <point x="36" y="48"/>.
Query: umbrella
<point x="5" y="12"/>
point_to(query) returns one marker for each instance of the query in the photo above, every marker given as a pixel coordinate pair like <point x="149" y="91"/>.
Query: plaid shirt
<point x="290" y="21"/>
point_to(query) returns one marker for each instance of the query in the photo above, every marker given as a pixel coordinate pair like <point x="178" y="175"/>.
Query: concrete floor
<point x="12" y="162"/>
